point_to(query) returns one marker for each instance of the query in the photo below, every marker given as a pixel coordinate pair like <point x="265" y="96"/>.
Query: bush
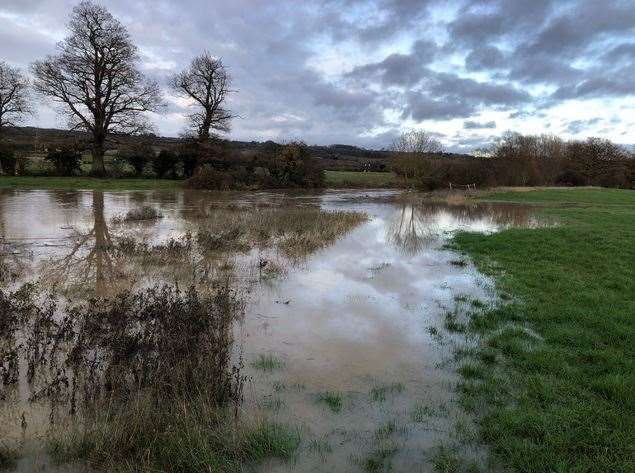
<point x="293" y="166"/>
<point x="67" y="161"/>
<point x="7" y="159"/>
<point x="165" y="163"/>
<point x="213" y="179"/>
<point x="189" y="160"/>
<point x="137" y="156"/>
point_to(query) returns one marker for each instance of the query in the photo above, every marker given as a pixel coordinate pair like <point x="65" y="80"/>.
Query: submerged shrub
<point x="144" y="213"/>
<point x="163" y="339"/>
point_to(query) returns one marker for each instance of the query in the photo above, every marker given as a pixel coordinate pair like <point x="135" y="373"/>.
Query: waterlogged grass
<point x="333" y="400"/>
<point x="553" y="380"/>
<point x="444" y="460"/>
<point x="187" y="436"/>
<point x="271" y="440"/>
<point x="421" y="413"/>
<point x="320" y="446"/>
<point x="86" y="183"/>
<point x="267" y="363"/>
<point x="380" y="393"/>
<point x="295" y="231"/>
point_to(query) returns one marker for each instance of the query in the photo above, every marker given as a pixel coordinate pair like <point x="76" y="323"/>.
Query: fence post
<point x="450" y="186"/>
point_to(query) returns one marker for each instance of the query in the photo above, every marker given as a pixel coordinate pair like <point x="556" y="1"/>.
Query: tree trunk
<point x="98" y="169"/>
<point x="1" y="170"/>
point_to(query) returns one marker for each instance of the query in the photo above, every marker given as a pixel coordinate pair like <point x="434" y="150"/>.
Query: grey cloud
<point x="400" y="69"/>
<point x="576" y="126"/>
<point x="485" y="58"/>
<point x="474" y="125"/>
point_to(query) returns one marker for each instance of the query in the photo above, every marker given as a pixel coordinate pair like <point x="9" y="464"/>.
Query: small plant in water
<point x="458" y="262"/>
<point x="267" y="363"/>
<point x="320" y="446"/>
<point x="421" y="413"/>
<point x="144" y="213"/>
<point x="378" y="393"/>
<point x="331" y="399"/>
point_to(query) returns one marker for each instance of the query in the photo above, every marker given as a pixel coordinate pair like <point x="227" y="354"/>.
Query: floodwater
<point x="360" y="315"/>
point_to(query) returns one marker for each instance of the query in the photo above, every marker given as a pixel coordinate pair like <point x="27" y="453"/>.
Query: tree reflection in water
<point x="416" y="226"/>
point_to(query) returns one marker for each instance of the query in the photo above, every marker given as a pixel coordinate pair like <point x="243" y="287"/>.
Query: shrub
<point x="165" y="163"/>
<point x="294" y="167"/>
<point x="213" y="179"/>
<point x="66" y="161"/>
<point x="189" y="160"/>
<point x="137" y="156"/>
<point x="7" y="159"/>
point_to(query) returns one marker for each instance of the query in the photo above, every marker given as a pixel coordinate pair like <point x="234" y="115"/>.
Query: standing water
<point x="346" y="296"/>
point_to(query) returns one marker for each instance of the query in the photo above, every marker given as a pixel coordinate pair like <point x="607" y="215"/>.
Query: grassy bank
<point x="87" y="183"/>
<point x="360" y="179"/>
<point x="553" y="378"/>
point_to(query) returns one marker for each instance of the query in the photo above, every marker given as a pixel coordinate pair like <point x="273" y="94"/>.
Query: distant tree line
<point x="514" y="160"/>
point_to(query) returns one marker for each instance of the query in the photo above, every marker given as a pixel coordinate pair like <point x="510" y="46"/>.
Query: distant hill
<point x="336" y="157"/>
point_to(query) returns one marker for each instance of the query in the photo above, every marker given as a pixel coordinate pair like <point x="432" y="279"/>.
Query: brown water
<point x="355" y="316"/>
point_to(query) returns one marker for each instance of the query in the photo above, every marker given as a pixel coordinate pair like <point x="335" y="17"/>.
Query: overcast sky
<point x="358" y="71"/>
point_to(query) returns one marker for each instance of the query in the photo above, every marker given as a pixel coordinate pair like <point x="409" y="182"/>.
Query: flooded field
<point x="339" y="305"/>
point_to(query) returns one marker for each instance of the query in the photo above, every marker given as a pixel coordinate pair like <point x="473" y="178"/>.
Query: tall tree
<point x="95" y="76"/>
<point x="207" y="83"/>
<point x="14" y="96"/>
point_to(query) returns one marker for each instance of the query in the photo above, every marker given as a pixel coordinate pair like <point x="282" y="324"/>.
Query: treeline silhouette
<point x="523" y="160"/>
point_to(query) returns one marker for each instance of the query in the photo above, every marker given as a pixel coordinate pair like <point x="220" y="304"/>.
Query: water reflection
<point x="352" y="311"/>
<point x="413" y="227"/>
<point x="90" y="259"/>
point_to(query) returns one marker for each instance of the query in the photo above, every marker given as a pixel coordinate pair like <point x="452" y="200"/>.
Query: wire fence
<point x="462" y="186"/>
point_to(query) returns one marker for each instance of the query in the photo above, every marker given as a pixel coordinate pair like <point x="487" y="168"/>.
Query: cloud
<point x="576" y="126"/>
<point x="357" y="71"/>
<point x="474" y="125"/>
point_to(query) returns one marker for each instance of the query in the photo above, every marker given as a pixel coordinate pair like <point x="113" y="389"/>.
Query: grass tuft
<point x="379" y="393"/>
<point x="267" y="363"/>
<point x="332" y="399"/>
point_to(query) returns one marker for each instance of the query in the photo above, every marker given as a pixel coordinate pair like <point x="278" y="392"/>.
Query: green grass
<point x="553" y="383"/>
<point x="271" y="440"/>
<point x="360" y="179"/>
<point x="332" y="399"/>
<point x="267" y="363"/>
<point x="594" y="196"/>
<point x="85" y="183"/>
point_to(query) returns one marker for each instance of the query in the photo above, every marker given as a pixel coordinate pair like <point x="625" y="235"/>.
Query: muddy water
<point x="358" y="318"/>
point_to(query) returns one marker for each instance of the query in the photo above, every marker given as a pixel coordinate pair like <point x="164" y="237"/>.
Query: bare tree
<point x="207" y="83"/>
<point x="95" y="77"/>
<point x="14" y="96"/>
<point x="417" y="142"/>
<point x="410" y="151"/>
